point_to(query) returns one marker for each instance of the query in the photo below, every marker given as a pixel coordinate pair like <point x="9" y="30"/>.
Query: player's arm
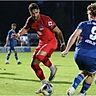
<point x="52" y="25"/>
<point x="7" y="38"/>
<point x="60" y="38"/>
<point x="26" y="28"/>
<point x="71" y="41"/>
<point x="22" y="32"/>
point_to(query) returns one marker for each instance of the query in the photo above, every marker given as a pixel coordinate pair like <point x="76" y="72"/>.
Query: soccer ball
<point x="47" y="89"/>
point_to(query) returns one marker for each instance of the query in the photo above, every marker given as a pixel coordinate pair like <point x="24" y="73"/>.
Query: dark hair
<point x="33" y="6"/>
<point x="13" y="24"/>
<point x="92" y="9"/>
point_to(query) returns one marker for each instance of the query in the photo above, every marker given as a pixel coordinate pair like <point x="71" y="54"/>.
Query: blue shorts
<point x="12" y="44"/>
<point x="12" y="47"/>
<point x="86" y="63"/>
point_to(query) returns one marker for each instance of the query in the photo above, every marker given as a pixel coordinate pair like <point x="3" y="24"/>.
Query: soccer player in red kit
<point x="46" y="29"/>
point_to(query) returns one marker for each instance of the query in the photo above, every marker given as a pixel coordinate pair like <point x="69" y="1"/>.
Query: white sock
<point x="18" y="60"/>
<point x="6" y="61"/>
<point x="52" y="67"/>
<point x="43" y="81"/>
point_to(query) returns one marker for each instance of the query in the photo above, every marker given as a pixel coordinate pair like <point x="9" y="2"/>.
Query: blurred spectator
<point x="25" y="40"/>
<point x="33" y="39"/>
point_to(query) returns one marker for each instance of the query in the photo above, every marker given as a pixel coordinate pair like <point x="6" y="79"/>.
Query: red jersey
<point x="43" y="26"/>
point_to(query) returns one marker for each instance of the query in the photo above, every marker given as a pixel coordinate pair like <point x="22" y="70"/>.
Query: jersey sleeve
<point x="50" y="23"/>
<point x="9" y="33"/>
<point x="28" y="23"/>
<point x="80" y="25"/>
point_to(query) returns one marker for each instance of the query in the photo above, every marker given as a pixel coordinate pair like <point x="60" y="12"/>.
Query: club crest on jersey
<point x="50" y="23"/>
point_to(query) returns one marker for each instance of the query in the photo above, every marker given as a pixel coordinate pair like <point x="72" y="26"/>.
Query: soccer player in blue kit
<point x="12" y="42"/>
<point x="85" y="52"/>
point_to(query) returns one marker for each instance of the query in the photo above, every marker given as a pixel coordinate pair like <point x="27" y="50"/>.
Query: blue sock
<point x="16" y="57"/>
<point x="77" y="80"/>
<point x="8" y="56"/>
<point x="85" y="87"/>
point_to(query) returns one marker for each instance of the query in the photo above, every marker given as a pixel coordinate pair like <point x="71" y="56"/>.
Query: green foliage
<point x="20" y="80"/>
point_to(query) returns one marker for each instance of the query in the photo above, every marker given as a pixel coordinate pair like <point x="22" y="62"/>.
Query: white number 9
<point x="93" y="33"/>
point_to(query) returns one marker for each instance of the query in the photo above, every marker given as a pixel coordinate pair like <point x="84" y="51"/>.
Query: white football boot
<point x="70" y="91"/>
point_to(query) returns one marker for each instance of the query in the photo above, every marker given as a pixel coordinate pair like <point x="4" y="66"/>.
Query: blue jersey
<point x="87" y="43"/>
<point x="12" y="40"/>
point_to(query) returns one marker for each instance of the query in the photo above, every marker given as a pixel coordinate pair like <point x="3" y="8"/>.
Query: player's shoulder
<point x="86" y="22"/>
<point x="29" y="18"/>
<point x="83" y="22"/>
<point x="10" y="31"/>
<point x="44" y="16"/>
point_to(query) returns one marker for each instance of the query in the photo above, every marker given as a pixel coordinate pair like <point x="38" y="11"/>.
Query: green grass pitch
<point x="20" y="80"/>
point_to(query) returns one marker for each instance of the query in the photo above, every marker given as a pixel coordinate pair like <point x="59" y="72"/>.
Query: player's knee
<point x="35" y="62"/>
<point x="33" y="66"/>
<point x="41" y="58"/>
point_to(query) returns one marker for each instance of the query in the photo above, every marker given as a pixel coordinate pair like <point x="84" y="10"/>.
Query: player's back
<point x="87" y="43"/>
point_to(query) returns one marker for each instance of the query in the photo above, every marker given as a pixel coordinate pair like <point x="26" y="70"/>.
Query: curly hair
<point x="92" y="9"/>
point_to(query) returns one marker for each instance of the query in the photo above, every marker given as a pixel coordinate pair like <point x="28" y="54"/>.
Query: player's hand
<point x="62" y="47"/>
<point x="17" y="36"/>
<point x="64" y="53"/>
<point x="14" y="35"/>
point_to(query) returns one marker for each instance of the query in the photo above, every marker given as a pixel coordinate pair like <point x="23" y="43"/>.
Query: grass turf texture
<point x="20" y="80"/>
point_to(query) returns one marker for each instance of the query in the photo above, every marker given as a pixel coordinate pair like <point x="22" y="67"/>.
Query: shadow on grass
<point x="22" y="79"/>
<point x="4" y="73"/>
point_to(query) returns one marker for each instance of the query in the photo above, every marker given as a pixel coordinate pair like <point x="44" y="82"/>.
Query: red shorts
<point x="49" y="48"/>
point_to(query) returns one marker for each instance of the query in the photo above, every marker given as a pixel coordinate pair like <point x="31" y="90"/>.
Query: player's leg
<point x="35" y="64"/>
<point x="39" y="73"/>
<point x="40" y="56"/>
<point x="8" y="56"/>
<point x="37" y="58"/>
<point x="43" y="55"/>
<point x="78" y="79"/>
<point x="91" y="70"/>
<point x="51" y="66"/>
<point x="16" y="56"/>
<point x="87" y="83"/>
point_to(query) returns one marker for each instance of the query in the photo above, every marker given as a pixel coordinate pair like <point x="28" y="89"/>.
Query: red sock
<point x="38" y="71"/>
